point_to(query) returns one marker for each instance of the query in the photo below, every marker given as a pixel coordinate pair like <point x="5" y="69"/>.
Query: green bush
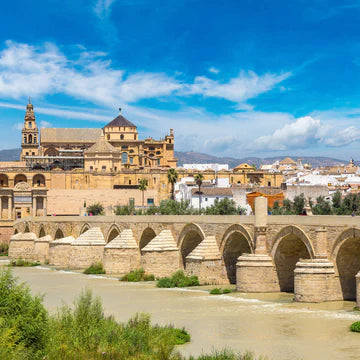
<point x="4" y="249"/>
<point x="23" y="263"/>
<point x="138" y="275"/>
<point x="226" y="355"/>
<point x="95" y="209"/>
<point x="215" y="291"/>
<point x="24" y="320"/>
<point x="178" y="279"/>
<point x="165" y="282"/>
<point x="226" y="291"/>
<point x="355" y="327"/>
<point x="96" y="268"/>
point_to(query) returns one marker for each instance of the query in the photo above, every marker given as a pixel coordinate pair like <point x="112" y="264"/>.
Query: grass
<point x="138" y="275"/>
<point x="218" y="291"/>
<point x="96" y="268"/>
<point x="178" y="279"/>
<point x="23" y="263"/>
<point x="4" y="249"/>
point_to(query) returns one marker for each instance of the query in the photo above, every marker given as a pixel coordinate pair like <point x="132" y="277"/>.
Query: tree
<point x="322" y="207"/>
<point x="95" y="209"/>
<point x="172" y="176"/>
<point x="199" y="180"/>
<point x="287" y="204"/>
<point x="143" y="184"/>
<point x="336" y="202"/>
<point x="224" y="206"/>
<point x="299" y="204"/>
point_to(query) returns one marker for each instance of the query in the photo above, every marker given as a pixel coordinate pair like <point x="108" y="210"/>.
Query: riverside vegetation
<point x="137" y="275"/>
<point x="96" y="268"/>
<point x="29" y="332"/>
<point x="178" y="279"/>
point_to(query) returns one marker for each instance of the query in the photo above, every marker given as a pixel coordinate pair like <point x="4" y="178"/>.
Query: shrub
<point x="178" y="279"/>
<point x="23" y="263"/>
<point x="165" y="282"/>
<point x="4" y="249"/>
<point x="215" y="291"/>
<point x="138" y="275"/>
<point x="226" y="291"/>
<point x="95" y="209"/>
<point x="96" y="268"/>
<point x="355" y="327"/>
<point x="24" y="320"/>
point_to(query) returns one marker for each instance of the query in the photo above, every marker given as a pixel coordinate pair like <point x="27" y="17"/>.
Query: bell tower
<point x="30" y="134"/>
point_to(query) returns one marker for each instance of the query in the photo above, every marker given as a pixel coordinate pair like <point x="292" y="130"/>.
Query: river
<point x="268" y="324"/>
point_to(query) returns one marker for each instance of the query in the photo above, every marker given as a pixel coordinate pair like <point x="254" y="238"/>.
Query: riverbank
<point x="269" y="324"/>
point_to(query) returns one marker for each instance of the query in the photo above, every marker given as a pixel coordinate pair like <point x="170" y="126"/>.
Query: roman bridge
<point x="316" y="257"/>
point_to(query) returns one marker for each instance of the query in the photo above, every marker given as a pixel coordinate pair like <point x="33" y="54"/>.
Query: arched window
<point x="25" y="141"/>
<point x="124" y="157"/>
<point x="121" y="137"/>
<point x="30" y="124"/>
<point x="30" y="139"/>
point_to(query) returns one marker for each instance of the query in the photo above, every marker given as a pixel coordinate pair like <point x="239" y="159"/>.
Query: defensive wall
<point x="316" y="257"/>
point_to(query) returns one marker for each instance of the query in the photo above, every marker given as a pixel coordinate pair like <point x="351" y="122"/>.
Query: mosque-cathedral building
<point x="60" y="169"/>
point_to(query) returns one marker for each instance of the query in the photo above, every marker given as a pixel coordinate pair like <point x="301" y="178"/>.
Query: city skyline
<point x="234" y="79"/>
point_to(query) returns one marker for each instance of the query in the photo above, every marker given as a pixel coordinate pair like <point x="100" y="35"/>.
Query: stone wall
<point x="121" y="261"/>
<point x="160" y="263"/>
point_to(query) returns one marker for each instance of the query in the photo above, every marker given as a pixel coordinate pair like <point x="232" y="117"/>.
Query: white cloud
<point x="18" y="126"/>
<point x="45" y="124"/>
<point x="344" y="137"/>
<point x="45" y="70"/>
<point x="245" y="86"/>
<point x="102" y="8"/>
<point x="214" y="70"/>
<point x="296" y="135"/>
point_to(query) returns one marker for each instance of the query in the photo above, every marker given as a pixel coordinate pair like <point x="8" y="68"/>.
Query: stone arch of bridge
<point x="290" y="245"/>
<point x="42" y="232"/>
<point x="235" y="242"/>
<point x="190" y="237"/>
<point x="346" y="255"/>
<point x="85" y="228"/>
<point x="147" y="235"/>
<point x="113" y="232"/>
<point x="27" y="228"/>
<point x="59" y="234"/>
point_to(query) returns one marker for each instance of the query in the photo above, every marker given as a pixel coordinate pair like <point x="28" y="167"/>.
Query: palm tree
<point x="199" y="180"/>
<point x="143" y="184"/>
<point x="172" y="176"/>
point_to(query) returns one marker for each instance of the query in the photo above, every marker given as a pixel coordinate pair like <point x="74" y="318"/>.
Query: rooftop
<point x="120" y="121"/>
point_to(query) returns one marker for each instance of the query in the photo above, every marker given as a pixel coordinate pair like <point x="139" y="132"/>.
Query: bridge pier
<point x="314" y="279"/>
<point x="256" y="272"/>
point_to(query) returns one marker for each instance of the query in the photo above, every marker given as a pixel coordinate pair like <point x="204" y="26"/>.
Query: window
<point x="103" y="168"/>
<point x="124" y="147"/>
<point x="34" y="139"/>
<point x="134" y="136"/>
<point x="206" y="199"/>
<point x="115" y="168"/>
<point x="27" y="154"/>
<point x="158" y="152"/>
<point x="91" y="168"/>
<point x="121" y="137"/>
<point x="33" y="154"/>
<point x="30" y="124"/>
<point x="151" y="148"/>
<point x="150" y="201"/>
<point x="30" y="139"/>
<point x="158" y="161"/>
<point x="131" y="160"/>
<point x="129" y="182"/>
<point x="124" y="157"/>
<point x="25" y="140"/>
<point x="154" y="180"/>
<point x="269" y="183"/>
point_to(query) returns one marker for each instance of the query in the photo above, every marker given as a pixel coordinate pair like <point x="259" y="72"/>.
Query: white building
<point x="209" y="195"/>
<point x="202" y="167"/>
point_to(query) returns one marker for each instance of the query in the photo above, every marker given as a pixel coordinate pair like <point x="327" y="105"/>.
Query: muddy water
<point x="269" y="324"/>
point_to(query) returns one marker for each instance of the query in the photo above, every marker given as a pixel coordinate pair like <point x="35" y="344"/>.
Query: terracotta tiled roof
<point x="69" y="135"/>
<point x="213" y="191"/>
<point x="120" y="121"/>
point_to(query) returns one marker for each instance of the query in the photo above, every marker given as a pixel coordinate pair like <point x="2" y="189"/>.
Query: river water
<point x="268" y="324"/>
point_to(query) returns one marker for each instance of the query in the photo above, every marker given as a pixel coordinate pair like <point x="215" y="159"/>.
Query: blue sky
<point x="233" y="78"/>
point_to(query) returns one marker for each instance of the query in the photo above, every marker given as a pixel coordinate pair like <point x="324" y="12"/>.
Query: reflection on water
<point x="269" y="324"/>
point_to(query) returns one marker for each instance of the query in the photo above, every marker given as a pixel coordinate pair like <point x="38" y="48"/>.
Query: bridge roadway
<point x="316" y="257"/>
